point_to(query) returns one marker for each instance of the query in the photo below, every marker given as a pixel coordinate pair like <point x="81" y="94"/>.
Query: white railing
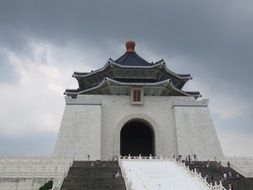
<point x="215" y="186"/>
<point x="30" y="174"/>
<point x="30" y="171"/>
<point x="239" y="158"/>
<point x="128" y="183"/>
<point x="35" y="157"/>
<point x="59" y="184"/>
<point x="123" y="172"/>
<point x="31" y="167"/>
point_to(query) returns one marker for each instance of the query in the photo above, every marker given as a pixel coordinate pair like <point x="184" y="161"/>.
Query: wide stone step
<point x="95" y="164"/>
<point x="94" y="175"/>
<point x="77" y="187"/>
<point x="93" y="169"/>
<point x="93" y="186"/>
<point x="81" y="180"/>
<point x="216" y="171"/>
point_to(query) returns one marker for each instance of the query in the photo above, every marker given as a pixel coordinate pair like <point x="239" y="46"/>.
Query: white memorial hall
<point x="131" y="106"/>
<point x="129" y="109"/>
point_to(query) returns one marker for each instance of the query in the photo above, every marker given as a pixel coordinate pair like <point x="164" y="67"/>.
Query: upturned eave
<point x="111" y="82"/>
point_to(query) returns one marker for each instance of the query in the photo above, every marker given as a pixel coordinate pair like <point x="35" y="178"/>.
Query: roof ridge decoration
<point x="131" y="57"/>
<point x="130" y="45"/>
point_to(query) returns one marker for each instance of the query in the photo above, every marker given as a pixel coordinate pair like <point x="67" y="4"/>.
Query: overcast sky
<point x="43" y="42"/>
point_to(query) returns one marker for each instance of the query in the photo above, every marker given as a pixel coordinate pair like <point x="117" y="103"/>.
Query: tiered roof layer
<point x="130" y="70"/>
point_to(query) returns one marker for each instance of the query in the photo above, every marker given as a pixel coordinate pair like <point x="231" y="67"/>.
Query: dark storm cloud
<point x="215" y="38"/>
<point x="216" y="35"/>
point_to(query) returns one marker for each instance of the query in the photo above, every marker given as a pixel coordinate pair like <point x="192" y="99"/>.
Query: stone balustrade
<point x="32" y="171"/>
<point x="26" y="166"/>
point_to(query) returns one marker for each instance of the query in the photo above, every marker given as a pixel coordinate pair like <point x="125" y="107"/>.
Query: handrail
<point x="203" y="180"/>
<point x="30" y="174"/>
<point x="59" y="184"/>
<point x="239" y="157"/>
<point x="128" y="183"/>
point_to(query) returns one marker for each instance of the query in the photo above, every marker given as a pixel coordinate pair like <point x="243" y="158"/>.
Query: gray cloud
<point x="7" y="74"/>
<point x="214" y="38"/>
<point x="217" y="35"/>
<point x="36" y="143"/>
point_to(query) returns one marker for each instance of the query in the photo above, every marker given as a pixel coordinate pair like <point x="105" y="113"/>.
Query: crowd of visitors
<point x="226" y="176"/>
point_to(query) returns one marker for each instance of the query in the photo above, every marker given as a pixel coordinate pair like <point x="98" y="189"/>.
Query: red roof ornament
<point x="130" y="46"/>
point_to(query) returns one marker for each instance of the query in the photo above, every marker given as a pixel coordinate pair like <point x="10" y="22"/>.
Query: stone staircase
<point x="94" y="175"/>
<point x="214" y="171"/>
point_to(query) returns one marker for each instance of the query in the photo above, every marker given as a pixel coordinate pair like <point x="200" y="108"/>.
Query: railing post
<point x="220" y="185"/>
<point x="130" y="185"/>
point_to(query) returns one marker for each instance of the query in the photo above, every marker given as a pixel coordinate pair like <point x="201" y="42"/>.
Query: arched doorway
<point x="137" y="137"/>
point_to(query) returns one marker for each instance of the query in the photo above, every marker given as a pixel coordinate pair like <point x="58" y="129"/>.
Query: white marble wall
<point x="80" y="132"/>
<point x="91" y="125"/>
<point x="196" y="134"/>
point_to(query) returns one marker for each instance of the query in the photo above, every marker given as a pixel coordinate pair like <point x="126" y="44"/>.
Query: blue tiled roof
<point x="132" y="59"/>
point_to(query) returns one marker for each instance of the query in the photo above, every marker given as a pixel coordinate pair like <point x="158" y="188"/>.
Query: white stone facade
<point x="91" y="126"/>
<point x="80" y="132"/>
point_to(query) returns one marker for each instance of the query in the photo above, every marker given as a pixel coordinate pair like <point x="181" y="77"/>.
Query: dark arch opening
<point x="137" y="137"/>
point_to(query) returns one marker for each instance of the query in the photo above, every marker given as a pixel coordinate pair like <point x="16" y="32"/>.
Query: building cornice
<point x="111" y="82"/>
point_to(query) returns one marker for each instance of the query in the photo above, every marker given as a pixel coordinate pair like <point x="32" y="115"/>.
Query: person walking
<point x="225" y="176"/>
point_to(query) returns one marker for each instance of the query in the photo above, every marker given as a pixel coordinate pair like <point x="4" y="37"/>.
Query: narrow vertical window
<point x="137" y="95"/>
